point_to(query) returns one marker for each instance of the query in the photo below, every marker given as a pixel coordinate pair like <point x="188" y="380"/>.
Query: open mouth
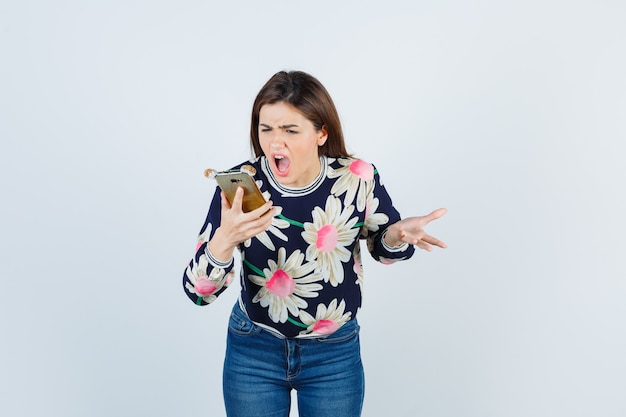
<point x="282" y="164"/>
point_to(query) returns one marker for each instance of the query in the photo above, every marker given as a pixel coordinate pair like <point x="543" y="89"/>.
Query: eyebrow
<point x="280" y="127"/>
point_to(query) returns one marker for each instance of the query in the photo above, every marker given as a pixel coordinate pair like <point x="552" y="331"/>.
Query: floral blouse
<point x="302" y="277"/>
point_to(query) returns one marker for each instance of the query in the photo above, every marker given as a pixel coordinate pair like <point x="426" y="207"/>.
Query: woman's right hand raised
<point x="237" y="226"/>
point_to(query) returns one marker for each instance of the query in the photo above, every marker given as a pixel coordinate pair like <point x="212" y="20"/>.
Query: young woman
<point x="295" y="326"/>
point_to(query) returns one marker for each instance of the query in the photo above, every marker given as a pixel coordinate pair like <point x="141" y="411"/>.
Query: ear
<point x="323" y="136"/>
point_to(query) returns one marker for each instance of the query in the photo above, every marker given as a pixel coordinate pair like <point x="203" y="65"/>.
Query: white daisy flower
<point x="327" y="319"/>
<point x="285" y="284"/>
<point x="328" y="236"/>
<point x="277" y="224"/>
<point x="204" y="236"/>
<point x="358" y="265"/>
<point x="204" y="285"/>
<point x="355" y="179"/>
<point x="372" y="219"/>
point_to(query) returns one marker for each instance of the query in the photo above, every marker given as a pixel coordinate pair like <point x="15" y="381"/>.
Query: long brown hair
<point x="309" y="97"/>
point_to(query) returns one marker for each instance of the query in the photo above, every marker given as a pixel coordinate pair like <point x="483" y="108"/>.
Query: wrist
<point x="220" y="248"/>
<point x="217" y="263"/>
<point x="391" y="237"/>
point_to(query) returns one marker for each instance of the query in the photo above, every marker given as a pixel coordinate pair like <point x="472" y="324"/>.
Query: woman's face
<point x="290" y="141"/>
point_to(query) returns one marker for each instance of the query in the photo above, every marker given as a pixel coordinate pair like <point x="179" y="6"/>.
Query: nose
<point x="277" y="141"/>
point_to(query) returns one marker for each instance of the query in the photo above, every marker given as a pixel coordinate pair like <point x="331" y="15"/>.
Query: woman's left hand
<point x="411" y="231"/>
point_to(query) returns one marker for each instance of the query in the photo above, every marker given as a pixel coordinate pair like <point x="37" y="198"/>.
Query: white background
<point x="511" y="114"/>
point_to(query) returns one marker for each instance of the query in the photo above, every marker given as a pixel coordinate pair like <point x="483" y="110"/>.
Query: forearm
<point x="220" y="247"/>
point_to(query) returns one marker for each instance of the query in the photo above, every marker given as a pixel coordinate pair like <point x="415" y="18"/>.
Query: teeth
<point x="278" y="157"/>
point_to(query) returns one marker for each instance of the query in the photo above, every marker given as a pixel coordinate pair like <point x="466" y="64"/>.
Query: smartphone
<point x="230" y="181"/>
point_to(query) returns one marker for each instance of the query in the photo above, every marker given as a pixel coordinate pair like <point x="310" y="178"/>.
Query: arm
<point x="390" y="238"/>
<point x="210" y="271"/>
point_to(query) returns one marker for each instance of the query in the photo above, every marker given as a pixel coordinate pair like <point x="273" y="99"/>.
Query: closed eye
<point x="289" y="128"/>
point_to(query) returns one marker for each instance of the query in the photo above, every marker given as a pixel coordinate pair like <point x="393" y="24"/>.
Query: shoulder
<point x="361" y="168"/>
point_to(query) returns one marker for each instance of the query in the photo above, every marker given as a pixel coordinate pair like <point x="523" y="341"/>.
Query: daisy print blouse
<point x="302" y="277"/>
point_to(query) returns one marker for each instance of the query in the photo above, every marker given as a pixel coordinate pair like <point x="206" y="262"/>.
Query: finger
<point x="238" y="199"/>
<point x="267" y="221"/>
<point x="261" y="224"/>
<point x="225" y="203"/>
<point x="260" y="211"/>
<point x="423" y="245"/>
<point x="434" y="241"/>
<point x="435" y="214"/>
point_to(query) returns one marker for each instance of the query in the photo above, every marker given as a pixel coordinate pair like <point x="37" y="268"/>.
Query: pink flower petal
<point x="325" y="326"/>
<point x="362" y="169"/>
<point x="205" y="287"/>
<point x="281" y="284"/>
<point x="327" y="238"/>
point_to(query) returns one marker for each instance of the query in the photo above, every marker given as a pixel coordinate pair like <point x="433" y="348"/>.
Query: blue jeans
<point x="261" y="369"/>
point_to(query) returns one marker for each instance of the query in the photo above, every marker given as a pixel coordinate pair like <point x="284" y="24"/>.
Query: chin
<point x="285" y="181"/>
